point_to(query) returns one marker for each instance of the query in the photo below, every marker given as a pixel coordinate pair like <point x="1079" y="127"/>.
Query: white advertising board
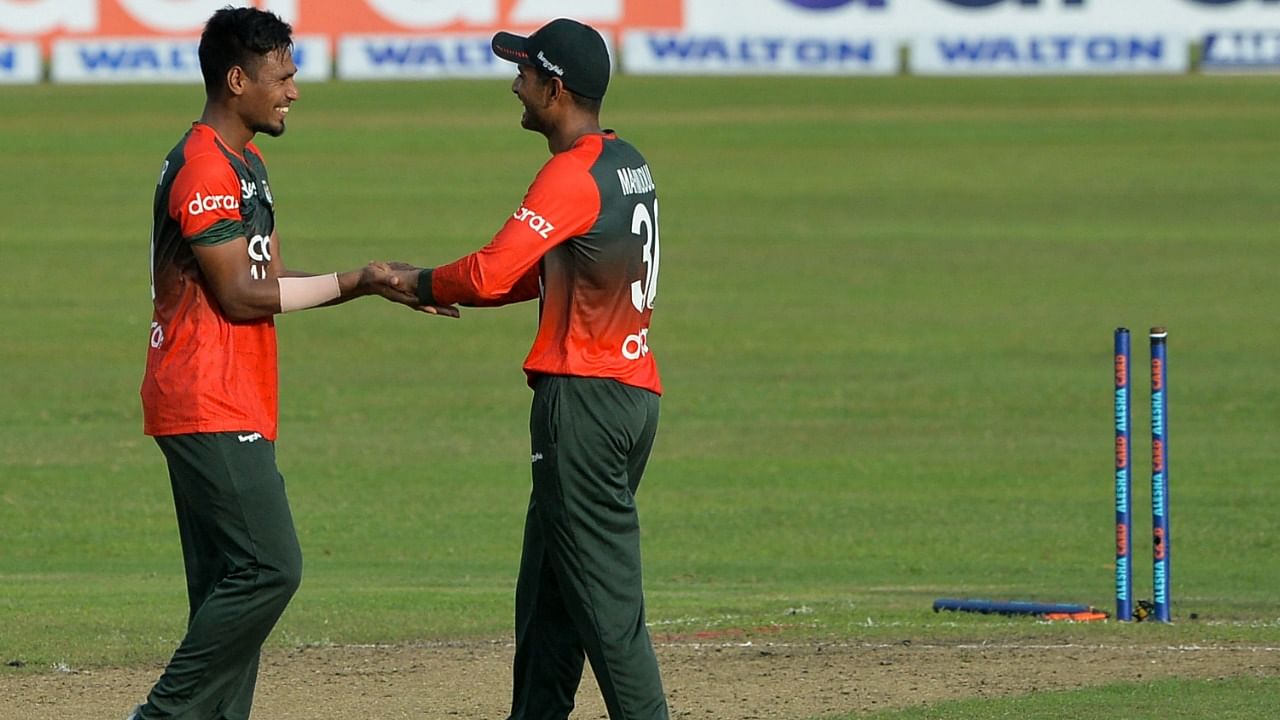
<point x="19" y="63"/>
<point x="757" y="54"/>
<point x="425" y="57"/>
<point x="1061" y="53"/>
<point x="1241" y="50"/>
<point x="150" y="40"/>
<point x="161" y="60"/>
<point x="415" y="57"/>
<point x="1018" y="36"/>
<point x="908" y="19"/>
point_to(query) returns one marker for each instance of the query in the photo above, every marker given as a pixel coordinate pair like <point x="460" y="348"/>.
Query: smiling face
<point x="269" y="92"/>
<point x="531" y="88"/>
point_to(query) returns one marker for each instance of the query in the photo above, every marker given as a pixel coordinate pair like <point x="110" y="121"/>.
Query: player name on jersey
<point x="635" y="181"/>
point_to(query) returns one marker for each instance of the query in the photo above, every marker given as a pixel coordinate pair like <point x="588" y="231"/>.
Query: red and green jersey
<point x="585" y="240"/>
<point x="204" y="372"/>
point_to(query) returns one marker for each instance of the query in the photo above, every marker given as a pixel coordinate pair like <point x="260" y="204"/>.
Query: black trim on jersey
<point x="424" y="287"/>
<point x="222" y="231"/>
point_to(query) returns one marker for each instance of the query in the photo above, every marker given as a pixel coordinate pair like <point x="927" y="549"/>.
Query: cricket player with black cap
<point x="584" y="241"/>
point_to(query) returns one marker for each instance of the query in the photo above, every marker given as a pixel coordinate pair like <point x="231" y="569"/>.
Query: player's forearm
<point x="483" y="279"/>
<point x="455" y="289"/>
<point x="294" y="291"/>
<point x="302" y="291"/>
<point x="249" y="301"/>
<point x="351" y="285"/>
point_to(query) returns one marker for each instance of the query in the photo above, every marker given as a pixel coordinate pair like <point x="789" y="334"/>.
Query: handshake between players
<point x="397" y="282"/>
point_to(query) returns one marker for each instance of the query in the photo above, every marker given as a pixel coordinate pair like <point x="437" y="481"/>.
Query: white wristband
<point x="308" y="292"/>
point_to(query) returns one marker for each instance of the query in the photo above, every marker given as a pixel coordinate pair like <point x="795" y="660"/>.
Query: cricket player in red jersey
<point x="209" y="392"/>
<point x="585" y="242"/>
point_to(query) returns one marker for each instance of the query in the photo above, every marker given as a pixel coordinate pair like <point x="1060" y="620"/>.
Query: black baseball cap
<point x="564" y="48"/>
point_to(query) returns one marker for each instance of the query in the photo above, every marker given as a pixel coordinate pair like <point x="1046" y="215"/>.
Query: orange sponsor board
<point x="392" y="16"/>
<point x="49" y="20"/>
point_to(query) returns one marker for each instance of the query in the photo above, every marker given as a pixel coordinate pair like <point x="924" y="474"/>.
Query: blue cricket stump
<point x="1008" y="607"/>
<point x="1123" y="479"/>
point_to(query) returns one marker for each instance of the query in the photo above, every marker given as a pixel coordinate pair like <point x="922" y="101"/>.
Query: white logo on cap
<point x="550" y="66"/>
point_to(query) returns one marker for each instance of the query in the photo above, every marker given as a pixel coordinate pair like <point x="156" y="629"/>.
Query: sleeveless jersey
<point x="585" y="240"/>
<point x="206" y="373"/>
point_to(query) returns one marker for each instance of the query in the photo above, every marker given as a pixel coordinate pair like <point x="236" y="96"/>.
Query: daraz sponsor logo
<point x="536" y="222"/>
<point x="208" y="203"/>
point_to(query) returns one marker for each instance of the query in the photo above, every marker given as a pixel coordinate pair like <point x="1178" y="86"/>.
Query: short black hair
<point x="240" y="36"/>
<point x="591" y="105"/>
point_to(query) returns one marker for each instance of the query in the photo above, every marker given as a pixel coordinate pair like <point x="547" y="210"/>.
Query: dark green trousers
<point x="243" y="565"/>
<point x="580" y="591"/>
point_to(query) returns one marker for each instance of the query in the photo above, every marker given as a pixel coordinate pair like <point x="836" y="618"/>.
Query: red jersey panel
<point x="204" y="372"/>
<point x="585" y="240"/>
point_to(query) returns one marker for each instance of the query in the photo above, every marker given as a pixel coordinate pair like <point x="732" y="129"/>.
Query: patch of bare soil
<point x="732" y="681"/>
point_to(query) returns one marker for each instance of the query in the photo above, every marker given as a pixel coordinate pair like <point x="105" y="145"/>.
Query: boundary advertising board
<point x="150" y="40"/>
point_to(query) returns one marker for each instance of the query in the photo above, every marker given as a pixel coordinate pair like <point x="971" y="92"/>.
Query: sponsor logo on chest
<point x="249" y="190"/>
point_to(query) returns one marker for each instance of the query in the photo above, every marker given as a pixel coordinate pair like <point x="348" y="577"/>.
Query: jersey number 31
<point x="645" y="226"/>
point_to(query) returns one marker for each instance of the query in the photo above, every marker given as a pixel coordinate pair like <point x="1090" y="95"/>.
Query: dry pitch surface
<point x="713" y="680"/>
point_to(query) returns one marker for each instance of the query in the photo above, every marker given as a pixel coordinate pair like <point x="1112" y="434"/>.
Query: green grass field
<point x="1237" y="699"/>
<point x="884" y="327"/>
